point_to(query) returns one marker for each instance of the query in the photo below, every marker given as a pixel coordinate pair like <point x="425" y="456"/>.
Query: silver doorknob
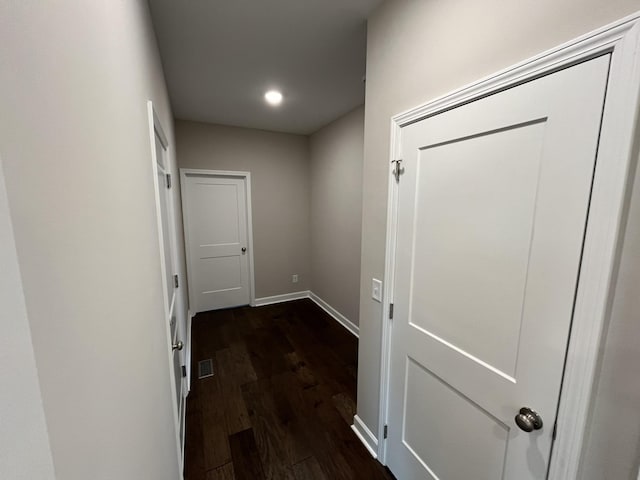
<point x="528" y="420"/>
<point x="177" y="346"/>
<point x="244" y="249"/>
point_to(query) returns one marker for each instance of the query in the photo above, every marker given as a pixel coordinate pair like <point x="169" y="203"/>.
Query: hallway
<point x="281" y="401"/>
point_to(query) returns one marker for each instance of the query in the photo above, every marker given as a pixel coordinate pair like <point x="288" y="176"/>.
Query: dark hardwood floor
<point x="281" y="401"/>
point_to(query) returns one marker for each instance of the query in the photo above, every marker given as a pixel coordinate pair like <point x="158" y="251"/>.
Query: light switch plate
<point x="376" y="290"/>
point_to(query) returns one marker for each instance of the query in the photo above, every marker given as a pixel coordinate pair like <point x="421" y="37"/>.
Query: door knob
<point x="528" y="420"/>
<point x="244" y="249"/>
<point x="177" y="346"/>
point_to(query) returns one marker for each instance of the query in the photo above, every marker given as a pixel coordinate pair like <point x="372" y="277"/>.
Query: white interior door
<point x="173" y="302"/>
<point x="216" y="224"/>
<point x="492" y="210"/>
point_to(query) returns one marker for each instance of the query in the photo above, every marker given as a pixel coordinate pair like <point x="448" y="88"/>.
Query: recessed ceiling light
<point x="273" y="97"/>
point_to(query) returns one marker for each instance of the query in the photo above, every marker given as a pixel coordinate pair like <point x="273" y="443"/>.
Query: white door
<point x="216" y="226"/>
<point x="172" y="297"/>
<point x="492" y="211"/>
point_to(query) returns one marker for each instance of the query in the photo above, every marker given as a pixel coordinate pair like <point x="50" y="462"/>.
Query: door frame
<point x="246" y="176"/>
<point x="616" y="163"/>
<point x="155" y="127"/>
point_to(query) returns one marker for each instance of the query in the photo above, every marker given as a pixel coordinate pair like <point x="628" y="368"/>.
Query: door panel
<point x="174" y="307"/>
<point x="222" y="225"/>
<point x="164" y="213"/>
<point x="177" y="369"/>
<point x="474" y="254"/>
<point x="432" y="431"/>
<point x="491" y="216"/>
<point x="228" y="274"/>
<point x="217" y="231"/>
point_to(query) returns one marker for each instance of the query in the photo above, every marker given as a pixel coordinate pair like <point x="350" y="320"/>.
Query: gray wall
<point x="336" y="153"/>
<point x="418" y="50"/>
<point x="613" y="446"/>
<point x="279" y="166"/>
<point x="25" y="452"/>
<point x="74" y="139"/>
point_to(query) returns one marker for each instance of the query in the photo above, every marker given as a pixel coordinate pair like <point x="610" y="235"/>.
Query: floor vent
<point x="205" y="368"/>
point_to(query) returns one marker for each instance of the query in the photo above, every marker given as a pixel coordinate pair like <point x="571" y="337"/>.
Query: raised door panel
<point x="475" y="200"/>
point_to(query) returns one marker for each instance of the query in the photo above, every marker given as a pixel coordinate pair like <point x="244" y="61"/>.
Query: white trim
<point x="606" y="217"/>
<point x="184" y="172"/>
<point x="338" y="317"/>
<point x="252" y="277"/>
<point x="155" y="126"/>
<point x="285" y="297"/>
<point x="183" y="419"/>
<point x="365" y="436"/>
<point x="388" y="290"/>
<point x="189" y="351"/>
<point x="608" y="38"/>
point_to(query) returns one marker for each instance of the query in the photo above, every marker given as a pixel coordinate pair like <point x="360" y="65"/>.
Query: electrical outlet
<point x="294" y="278"/>
<point x="376" y="289"/>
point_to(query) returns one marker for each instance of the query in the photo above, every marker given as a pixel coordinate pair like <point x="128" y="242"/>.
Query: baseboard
<point x="366" y="437"/>
<point x="341" y="319"/>
<point x="287" y="297"/>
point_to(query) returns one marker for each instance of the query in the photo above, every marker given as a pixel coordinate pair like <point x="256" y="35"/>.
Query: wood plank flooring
<point x="281" y="401"/>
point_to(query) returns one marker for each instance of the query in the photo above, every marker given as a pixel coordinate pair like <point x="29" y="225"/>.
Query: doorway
<point x="174" y="312"/>
<point x="493" y="203"/>
<point x="218" y="237"/>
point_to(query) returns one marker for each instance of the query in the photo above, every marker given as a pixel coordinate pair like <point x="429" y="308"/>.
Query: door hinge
<point x="398" y="170"/>
<point x="555" y="431"/>
<point x="184" y="371"/>
<point x="391" y="311"/>
<point x="385" y="431"/>
<point x="176" y="283"/>
<point x="168" y="180"/>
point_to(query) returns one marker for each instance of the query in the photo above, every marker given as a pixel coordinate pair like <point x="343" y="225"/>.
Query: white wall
<point x="76" y="77"/>
<point x="613" y="445"/>
<point x="25" y="453"/>
<point x="279" y="166"/>
<point x="418" y="50"/>
<point x="336" y="154"/>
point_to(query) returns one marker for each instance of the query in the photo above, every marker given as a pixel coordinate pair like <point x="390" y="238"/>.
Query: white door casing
<point x="607" y="208"/>
<point x="173" y="303"/>
<point x="217" y="224"/>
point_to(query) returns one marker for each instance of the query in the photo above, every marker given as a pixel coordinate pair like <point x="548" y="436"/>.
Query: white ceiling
<point x="221" y="56"/>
